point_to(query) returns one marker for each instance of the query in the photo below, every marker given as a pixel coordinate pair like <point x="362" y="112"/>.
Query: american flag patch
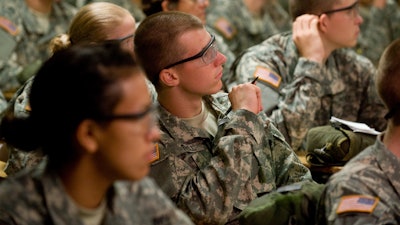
<point x="357" y="203"/>
<point x="225" y="27"/>
<point x="155" y="155"/>
<point x="8" y="26"/>
<point x="268" y="76"/>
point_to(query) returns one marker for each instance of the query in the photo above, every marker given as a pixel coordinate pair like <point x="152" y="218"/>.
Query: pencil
<point x="230" y="108"/>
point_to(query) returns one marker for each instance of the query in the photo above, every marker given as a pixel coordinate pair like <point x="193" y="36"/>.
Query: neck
<point x="179" y="104"/>
<point x="391" y="139"/>
<point x="42" y="6"/>
<point x="87" y="191"/>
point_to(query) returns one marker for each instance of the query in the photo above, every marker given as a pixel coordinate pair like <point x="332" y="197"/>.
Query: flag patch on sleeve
<point x="155" y="155"/>
<point x="8" y="26"/>
<point x="226" y="28"/>
<point x="357" y="203"/>
<point x="268" y="76"/>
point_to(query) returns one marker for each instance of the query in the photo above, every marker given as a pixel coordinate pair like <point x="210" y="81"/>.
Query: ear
<point x="168" y="77"/>
<point x="86" y="135"/>
<point x="166" y="6"/>
<point x="323" y="23"/>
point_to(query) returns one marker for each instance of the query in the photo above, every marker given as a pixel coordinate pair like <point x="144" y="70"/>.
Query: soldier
<point x="94" y="23"/>
<point x="199" y="9"/>
<point x="211" y="164"/>
<point x="308" y="75"/>
<point x="106" y="134"/>
<point x="26" y="28"/>
<point x="366" y="190"/>
<point x="381" y="26"/>
<point x="244" y="23"/>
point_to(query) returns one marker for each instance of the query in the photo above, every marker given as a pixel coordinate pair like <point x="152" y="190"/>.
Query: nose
<point x="221" y="58"/>
<point x="154" y="133"/>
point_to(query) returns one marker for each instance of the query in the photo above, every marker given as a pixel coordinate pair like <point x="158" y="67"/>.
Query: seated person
<point x="93" y="23"/>
<point x="366" y="190"/>
<point x="210" y="164"/>
<point x="97" y="152"/>
<point x="309" y="75"/>
<point x="381" y="26"/>
<point x="26" y="29"/>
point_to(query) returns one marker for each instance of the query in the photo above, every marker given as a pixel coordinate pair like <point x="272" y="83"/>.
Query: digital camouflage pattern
<point x="379" y="29"/>
<point x="19" y="107"/>
<point x="25" y="41"/>
<point x="299" y="94"/>
<point x="37" y="197"/>
<point x="371" y="174"/>
<point x="244" y="30"/>
<point x="213" y="178"/>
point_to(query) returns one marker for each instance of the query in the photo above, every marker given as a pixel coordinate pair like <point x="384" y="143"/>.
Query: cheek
<point x="125" y="156"/>
<point x="132" y="158"/>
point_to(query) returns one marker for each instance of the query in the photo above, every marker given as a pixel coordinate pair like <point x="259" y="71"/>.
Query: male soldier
<point x="26" y="28"/>
<point x="308" y="75"/>
<point x="366" y="190"/>
<point x="199" y="9"/>
<point x="381" y="26"/>
<point x="244" y="23"/>
<point x="210" y="164"/>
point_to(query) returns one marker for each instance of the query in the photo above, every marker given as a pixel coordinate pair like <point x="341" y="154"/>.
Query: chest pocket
<point x="196" y="154"/>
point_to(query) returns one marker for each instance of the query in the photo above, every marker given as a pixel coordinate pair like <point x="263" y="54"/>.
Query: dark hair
<point x="77" y="83"/>
<point x="316" y="7"/>
<point x="388" y="80"/>
<point x="150" y="7"/>
<point x="156" y="40"/>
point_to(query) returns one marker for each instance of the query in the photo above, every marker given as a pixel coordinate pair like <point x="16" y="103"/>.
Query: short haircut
<point x="388" y="79"/>
<point x="156" y="40"/>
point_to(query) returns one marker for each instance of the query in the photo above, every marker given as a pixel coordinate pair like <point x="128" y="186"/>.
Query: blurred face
<point x="202" y="75"/>
<point x="125" y="145"/>
<point x="344" y="23"/>
<point x="194" y="7"/>
<point x="124" y="32"/>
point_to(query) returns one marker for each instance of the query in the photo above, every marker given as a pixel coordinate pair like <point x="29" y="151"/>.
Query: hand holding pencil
<point x="246" y="96"/>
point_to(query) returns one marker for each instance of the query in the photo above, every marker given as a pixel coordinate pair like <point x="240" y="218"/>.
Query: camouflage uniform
<point x="19" y="107"/>
<point x="380" y="28"/>
<point x="25" y="42"/>
<point x="214" y="178"/>
<point x="239" y="28"/>
<point x="36" y="197"/>
<point x="369" y="178"/>
<point x="299" y="94"/>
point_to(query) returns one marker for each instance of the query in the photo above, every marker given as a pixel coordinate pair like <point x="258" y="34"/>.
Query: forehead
<point x="194" y="40"/>
<point x="126" y="26"/>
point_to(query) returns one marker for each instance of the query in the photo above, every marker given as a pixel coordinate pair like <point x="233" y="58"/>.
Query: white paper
<point x="356" y="127"/>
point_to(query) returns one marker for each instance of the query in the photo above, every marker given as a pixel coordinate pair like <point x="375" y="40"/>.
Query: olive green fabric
<point x="293" y="204"/>
<point x="334" y="145"/>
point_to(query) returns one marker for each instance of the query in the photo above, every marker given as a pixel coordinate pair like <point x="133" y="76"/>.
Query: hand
<point x="307" y="37"/>
<point x="246" y="96"/>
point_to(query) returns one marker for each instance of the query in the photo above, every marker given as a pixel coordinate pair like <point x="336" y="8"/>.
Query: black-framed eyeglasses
<point x="152" y="109"/>
<point x="207" y="54"/>
<point x="353" y="6"/>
